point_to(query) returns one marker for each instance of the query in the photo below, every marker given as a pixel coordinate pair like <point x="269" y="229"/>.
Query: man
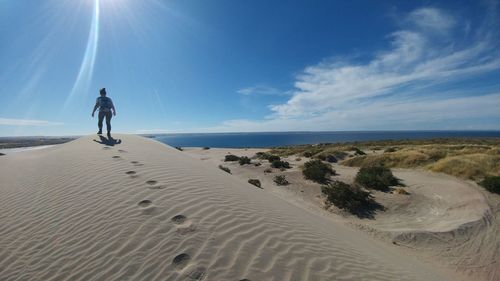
<point x="106" y="107"/>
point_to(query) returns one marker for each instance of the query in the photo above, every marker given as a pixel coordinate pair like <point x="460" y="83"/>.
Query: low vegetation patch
<point x="376" y="177"/>
<point x="390" y="149"/>
<point x="280" y="180"/>
<point x="347" y="197"/>
<point x="179" y="148"/>
<point x="317" y="171"/>
<point x="244" y="160"/>
<point x="491" y="183"/>
<point x="225" y="169"/>
<point x="400" y="190"/>
<point x="206" y="148"/>
<point x="231" y="158"/>
<point x="255" y="182"/>
<point x="268" y="171"/>
<point x="280" y="164"/>
<point x="267" y="156"/>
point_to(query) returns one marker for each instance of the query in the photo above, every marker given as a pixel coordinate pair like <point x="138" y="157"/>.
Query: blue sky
<point x="233" y="66"/>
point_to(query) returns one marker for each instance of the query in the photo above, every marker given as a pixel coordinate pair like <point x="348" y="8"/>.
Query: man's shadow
<point x="109" y="141"/>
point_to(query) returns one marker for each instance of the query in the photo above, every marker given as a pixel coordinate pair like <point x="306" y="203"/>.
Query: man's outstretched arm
<point x="113" y="108"/>
<point x="95" y="108"/>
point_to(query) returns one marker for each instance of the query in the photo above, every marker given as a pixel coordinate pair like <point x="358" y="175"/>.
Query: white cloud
<point x="26" y="122"/>
<point x="260" y="90"/>
<point x="429" y="18"/>
<point x="412" y="62"/>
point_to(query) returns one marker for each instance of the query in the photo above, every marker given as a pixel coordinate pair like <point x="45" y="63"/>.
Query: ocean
<point x="243" y="140"/>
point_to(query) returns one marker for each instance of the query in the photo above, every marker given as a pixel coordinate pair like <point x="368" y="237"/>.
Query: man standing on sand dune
<point x="106" y="107"/>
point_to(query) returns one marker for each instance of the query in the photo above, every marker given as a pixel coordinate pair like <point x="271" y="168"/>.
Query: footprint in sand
<point x="116" y="157"/>
<point x="145" y="203"/>
<point x="183" y="224"/>
<point x="132" y="174"/>
<point x="180" y="261"/>
<point x="136" y="163"/>
<point x="245" y="280"/>
<point x="195" y="272"/>
<point x="152" y="184"/>
<point x="121" y="150"/>
<point x="106" y="148"/>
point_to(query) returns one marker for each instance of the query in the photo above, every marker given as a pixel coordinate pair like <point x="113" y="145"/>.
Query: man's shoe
<point x="99" y="133"/>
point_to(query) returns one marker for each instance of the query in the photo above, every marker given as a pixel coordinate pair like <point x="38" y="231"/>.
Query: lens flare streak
<point x="84" y="78"/>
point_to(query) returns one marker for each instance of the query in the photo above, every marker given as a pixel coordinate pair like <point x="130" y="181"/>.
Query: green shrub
<point x="244" y="160"/>
<point x="331" y="158"/>
<point x="206" y="148"/>
<point x="376" y="177"/>
<point x="280" y="164"/>
<point x="280" y="180"/>
<point x="345" y="196"/>
<point x="255" y="182"/>
<point x="267" y="156"/>
<point x="225" y="169"/>
<point x="340" y="154"/>
<point x="492" y="184"/>
<point x="317" y="171"/>
<point x="307" y="154"/>
<point x="231" y="158"/>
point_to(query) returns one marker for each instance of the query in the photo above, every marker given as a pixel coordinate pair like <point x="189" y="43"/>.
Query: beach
<point x="141" y="210"/>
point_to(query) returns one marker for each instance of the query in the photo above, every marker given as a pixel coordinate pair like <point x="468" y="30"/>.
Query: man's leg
<point x="99" y="123"/>
<point x="108" y="121"/>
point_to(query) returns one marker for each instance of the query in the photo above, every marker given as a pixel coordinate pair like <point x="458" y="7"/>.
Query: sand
<point x="450" y="221"/>
<point x="140" y="210"/>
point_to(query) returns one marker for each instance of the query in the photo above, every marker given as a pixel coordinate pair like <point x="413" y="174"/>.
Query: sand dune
<point x="141" y="210"/>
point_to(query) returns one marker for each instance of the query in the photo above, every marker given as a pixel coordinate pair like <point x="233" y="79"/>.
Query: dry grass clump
<point x="400" y="190"/>
<point x="465" y="161"/>
<point x="473" y="166"/>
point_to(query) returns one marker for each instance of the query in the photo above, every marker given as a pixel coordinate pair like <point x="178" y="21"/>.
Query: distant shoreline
<point x="24" y="142"/>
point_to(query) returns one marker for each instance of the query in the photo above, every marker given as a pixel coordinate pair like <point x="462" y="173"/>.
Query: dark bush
<point x="206" y="148"/>
<point x="376" y="177"/>
<point x="231" y="158"/>
<point x="268" y="170"/>
<point x="340" y="154"/>
<point x="225" y="169"/>
<point x="244" y="160"/>
<point x="345" y="196"/>
<point x="390" y="149"/>
<point x="261" y="155"/>
<point x="317" y="171"/>
<point x="307" y="154"/>
<point x="280" y="180"/>
<point x="492" y="184"/>
<point x="255" y="182"/>
<point x="331" y="159"/>
<point x="267" y="156"/>
<point x="257" y="164"/>
<point x="273" y="158"/>
<point x="280" y="164"/>
<point x="179" y="148"/>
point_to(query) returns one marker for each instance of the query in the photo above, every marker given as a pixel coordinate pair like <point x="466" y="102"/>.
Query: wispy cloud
<point x="414" y="60"/>
<point x="26" y="122"/>
<point x="411" y="85"/>
<point x="261" y="90"/>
